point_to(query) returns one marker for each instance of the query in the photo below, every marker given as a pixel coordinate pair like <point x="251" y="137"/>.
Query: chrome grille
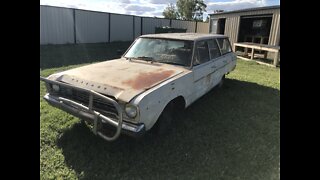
<point x="105" y="108"/>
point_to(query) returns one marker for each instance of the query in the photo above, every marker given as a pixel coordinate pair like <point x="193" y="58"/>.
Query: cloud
<point x="158" y="14"/>
<point x="162" y="1"/>
<point x="137" y="8"/>
<point x="125" y="1"/>
<point x="235" y="5"/>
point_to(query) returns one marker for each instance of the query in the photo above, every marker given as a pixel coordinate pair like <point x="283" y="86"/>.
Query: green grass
<point x="230" y="133"/>
<point x="71" y="54"/>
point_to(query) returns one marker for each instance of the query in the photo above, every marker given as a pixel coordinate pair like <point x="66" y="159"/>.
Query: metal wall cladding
<point x="121" y="28"/>
<point x="149" y="24"/>
<point x="189" y="25"/>
<point x="233" y="23"/>
<point x="232" y="29"/>
<point x="274" y="38"/>
<point x="91" y="27"/>
<point x="202" y="27"/>
<point x="56" y="25"/>
<point x="137" y="27"/>
<point x="63" y="25"/>
<point x="213" y="26"/>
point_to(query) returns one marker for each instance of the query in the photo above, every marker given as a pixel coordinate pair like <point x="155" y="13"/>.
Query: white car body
<point x="151" y="86"/>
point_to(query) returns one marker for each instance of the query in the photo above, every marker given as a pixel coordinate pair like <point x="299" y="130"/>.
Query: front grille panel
<point x="100" y="105"/>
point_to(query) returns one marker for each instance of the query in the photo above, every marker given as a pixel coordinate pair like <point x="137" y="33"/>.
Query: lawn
<point x="230" y="133"/>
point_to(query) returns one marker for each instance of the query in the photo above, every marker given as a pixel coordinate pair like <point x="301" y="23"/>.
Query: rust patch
<point x="145" y="80"/>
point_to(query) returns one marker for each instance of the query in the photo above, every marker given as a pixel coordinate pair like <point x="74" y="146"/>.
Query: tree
<point x="170" y="12"/>
<point x="191" y="9"/>
<point x="207" y="19"/>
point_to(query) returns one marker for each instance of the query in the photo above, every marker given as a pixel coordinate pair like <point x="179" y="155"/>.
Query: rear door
<point x="215" y="55"/>
<point x="226" y="58"/>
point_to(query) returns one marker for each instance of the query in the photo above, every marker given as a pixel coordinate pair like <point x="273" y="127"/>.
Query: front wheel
<point x="163" y="124"/>
<point x="221" y="81"/>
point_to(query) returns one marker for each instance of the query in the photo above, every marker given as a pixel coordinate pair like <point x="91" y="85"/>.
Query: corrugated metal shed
<point x="232" y="23"/>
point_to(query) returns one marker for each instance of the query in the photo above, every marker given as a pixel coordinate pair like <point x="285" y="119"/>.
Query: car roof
<point x="184" y="36"/>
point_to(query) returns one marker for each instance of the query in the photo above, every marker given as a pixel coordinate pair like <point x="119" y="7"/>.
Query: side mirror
<point x="119" y="52"/>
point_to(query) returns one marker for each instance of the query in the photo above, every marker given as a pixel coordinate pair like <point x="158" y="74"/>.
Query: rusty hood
<point x="120" y="78"/>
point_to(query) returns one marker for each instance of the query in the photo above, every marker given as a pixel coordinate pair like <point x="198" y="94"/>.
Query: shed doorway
<point x="221" y="25"/>
<point x="217" y="26"/>
<point x="255" y="29"/>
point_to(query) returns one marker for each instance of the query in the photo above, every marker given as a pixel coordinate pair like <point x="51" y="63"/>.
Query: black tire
<point x="163" y="124"/>
<point x="221" y="81"/>
<point x="83" y="122"/>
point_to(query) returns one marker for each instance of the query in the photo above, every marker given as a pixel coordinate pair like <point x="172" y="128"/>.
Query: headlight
<point x="55" y="87"/>
<point x="131" y="110"/>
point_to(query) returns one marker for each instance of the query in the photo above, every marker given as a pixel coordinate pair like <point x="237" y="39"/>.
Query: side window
<point x="224" y="45"/>
<point x="202" y="53"/>
<point x="214" y="49"/>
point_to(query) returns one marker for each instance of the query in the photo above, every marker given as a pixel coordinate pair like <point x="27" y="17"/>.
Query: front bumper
<point x="130" y="129"/>
<point x="88" y="114"/>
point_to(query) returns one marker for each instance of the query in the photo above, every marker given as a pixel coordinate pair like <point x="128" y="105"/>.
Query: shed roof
<point x="248" y="9"/>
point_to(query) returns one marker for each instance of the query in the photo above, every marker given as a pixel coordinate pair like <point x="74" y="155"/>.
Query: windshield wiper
<point x="174" y="63"/>
<point x="128" y="58"/>
<point x="147" y="58"/>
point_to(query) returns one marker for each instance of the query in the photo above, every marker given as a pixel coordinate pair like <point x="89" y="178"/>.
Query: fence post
<point x="170" y="22"/>
<point x="141" y="26"/>
<point x="196" y="27"/>
<point x="133" y="28"/>
<point x="74" y="27"/>
<point x="109" y="24"/>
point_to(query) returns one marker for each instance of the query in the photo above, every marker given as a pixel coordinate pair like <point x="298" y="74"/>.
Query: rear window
<point x="224" y="45"/>
<point x="214" y="49"/>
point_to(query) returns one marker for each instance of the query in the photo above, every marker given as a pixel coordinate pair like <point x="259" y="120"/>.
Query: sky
<point x="152" y="8"/>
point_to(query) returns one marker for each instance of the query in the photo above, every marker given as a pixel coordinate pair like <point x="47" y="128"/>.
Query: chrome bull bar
<point x="98" y="118"/>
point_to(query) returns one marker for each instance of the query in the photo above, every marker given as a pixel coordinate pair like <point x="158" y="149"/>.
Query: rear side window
<point x="224" y="45"/>
<point x="202" y="53"/>
<point x="214" y="49"/>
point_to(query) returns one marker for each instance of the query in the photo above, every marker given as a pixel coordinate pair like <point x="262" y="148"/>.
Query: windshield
<point x="162" y="50"/>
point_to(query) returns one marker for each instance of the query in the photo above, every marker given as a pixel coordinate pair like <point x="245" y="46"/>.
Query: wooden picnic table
<point x="256" y="46"/>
